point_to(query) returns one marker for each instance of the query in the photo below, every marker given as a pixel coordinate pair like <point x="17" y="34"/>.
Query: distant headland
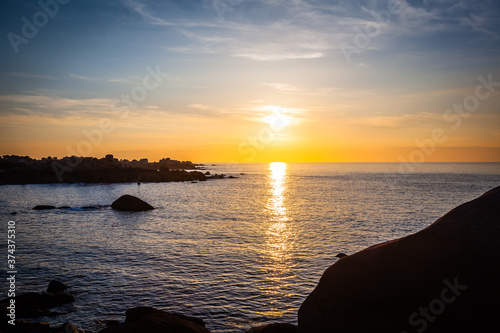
<point x="15" y="170"/>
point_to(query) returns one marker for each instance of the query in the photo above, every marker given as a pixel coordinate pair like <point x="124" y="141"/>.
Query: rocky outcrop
<point x="130" y="203"/>
<point x="151" y="320"/>
<point x="274" y="328"/>
<point x="25" y="170"/>
<point x="441" y="279"/>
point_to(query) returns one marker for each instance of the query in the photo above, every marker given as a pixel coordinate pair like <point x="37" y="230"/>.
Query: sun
<point x="277" y="116"/>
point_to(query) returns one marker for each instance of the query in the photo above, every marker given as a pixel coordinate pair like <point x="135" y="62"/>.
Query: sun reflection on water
<point x="277" y="182"/>
<point x="279" y="239"/>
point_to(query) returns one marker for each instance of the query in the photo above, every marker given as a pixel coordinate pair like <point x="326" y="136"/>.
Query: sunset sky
<point x="252" y="80"/>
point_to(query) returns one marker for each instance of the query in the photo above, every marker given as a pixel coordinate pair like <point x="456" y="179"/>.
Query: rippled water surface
<point x="236" y="252"/>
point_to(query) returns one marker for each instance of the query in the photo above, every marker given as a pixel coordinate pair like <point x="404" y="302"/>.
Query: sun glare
<point x="278" y="117"/>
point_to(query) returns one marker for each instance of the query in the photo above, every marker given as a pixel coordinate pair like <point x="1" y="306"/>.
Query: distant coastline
<point x="20" y="170"/>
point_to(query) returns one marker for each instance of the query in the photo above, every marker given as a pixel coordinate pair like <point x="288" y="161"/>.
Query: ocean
<point x="236" y="252"/>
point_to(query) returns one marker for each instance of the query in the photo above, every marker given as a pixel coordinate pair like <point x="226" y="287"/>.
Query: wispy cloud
<point x="422" y="119"/>
<point x="55" y="106"/>
<point x="164" y="17"/>
<point x="123" y="81"/>
<point x="115" y="80"/>
<point x="305" y="30"/>
<point x="82" y="77"/>
<point x="140" y="9"/>
<point x="34" y="76"/>
<point x="201" y="107"/>
<point x="282" y="87"/>
<point x="275" y="56"/>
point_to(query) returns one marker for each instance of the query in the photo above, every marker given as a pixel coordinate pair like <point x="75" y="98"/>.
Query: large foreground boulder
<point x="129" y="203"/>
<point x="151" y="320"/>
<point x="445" y="278"/>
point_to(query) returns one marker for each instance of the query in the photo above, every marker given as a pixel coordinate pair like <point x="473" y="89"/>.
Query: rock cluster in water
<point x="35" y="305"/>
<point x="26" y="170"/>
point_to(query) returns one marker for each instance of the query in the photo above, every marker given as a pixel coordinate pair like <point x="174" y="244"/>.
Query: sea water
<point x="235" y="252"/>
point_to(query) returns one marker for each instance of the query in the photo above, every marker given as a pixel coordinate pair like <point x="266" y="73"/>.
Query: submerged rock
<point x="151" y="320"/>
<point x="56" y="286"/>
<point x="44" y="207"/>
<point x="274" y="328"/>
<point x="130" y="203"/>
<point x="217" y="176"/>
<point x="441" y="279"/>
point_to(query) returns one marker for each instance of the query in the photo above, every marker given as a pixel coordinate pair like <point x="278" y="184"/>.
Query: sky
<point x="252" y="80"/>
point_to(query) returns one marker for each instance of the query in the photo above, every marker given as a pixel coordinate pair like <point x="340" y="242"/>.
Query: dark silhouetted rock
<point x="13" y="213"/>
<point x="341" y="255"/>
<point x="26" y="327"/>
<point x="137" y="313"/>
<point x="56" y="286"/>
<point x="44" y="207"/>
<point x="25" y="170"/>
<point x="444" y="278"/>
<point x="151" y="320"/>
<point x="67" y="327"/>
<point x="32" y="305"/>
<point x="274" y="328"/>
<point x="111" y="322"/>
<point x="22" y="326"/>
<point x="64" y="207"/>
<point x="130" y="203"/>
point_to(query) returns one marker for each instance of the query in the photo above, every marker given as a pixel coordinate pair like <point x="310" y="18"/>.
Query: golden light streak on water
<point x="279" y="236"/>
